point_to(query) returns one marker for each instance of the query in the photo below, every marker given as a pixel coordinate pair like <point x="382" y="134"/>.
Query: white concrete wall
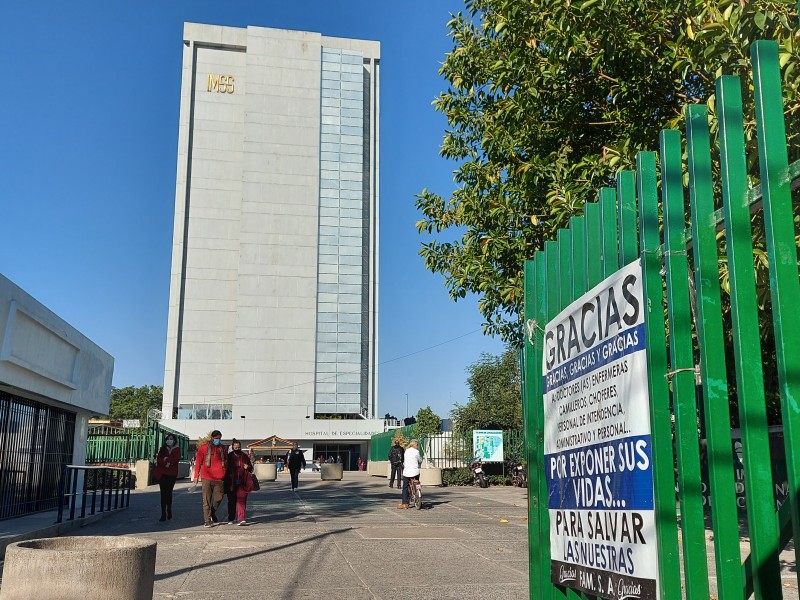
<point x="43" y="357"/>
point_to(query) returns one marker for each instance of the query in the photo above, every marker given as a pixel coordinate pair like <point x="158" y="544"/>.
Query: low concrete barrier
<point x="430" y="476"/>
<point x="379" y="468"/>
<point x="120" y="567"/>
<point x="142" y="471"/>
<point x="332" y="472"/>
<point x="266" y="471"/>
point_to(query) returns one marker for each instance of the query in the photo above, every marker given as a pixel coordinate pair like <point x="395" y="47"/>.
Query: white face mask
<point x="169" y="442"/>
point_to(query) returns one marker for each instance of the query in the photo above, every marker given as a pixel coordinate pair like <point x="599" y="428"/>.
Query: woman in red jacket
<point x="237" y="482"/>
<point x="167" y="463"/>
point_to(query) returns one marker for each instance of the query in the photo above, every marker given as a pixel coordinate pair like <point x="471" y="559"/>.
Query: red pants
<point x="237" y="498"/>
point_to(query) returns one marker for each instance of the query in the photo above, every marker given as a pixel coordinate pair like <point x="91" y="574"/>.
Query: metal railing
<point x="127" y="445"/>
<point x="89" y="485"/>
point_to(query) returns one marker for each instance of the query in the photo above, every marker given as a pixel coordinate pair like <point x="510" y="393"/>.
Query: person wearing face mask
<point x="209" y="466"/>
<point x="237" y="483"/>
<point x="167" y="463"/>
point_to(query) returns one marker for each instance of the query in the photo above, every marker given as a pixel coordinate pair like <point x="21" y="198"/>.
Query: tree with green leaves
<point x="548" y="99"/>
<point x="495" y="396"/>
<point x="428" y="422"/>
<point x="133" y="403"/>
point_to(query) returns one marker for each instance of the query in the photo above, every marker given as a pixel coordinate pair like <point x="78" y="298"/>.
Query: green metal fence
<point x="115" y="445"/>
<point x="681" y="272"/>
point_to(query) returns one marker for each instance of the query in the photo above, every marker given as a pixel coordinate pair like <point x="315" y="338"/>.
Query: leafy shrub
<point x="459" y="476"/>
<point x="498" y="480"/>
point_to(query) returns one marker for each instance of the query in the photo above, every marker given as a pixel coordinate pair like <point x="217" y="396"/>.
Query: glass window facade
<point x="341" y="292"/>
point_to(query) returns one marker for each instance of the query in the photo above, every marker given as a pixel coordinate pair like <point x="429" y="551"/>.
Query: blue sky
<point x="89" y="115"/>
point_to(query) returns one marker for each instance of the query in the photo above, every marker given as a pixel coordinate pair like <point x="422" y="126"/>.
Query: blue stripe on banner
<point x="613" y="475"/>
<point x="624" y="343"/>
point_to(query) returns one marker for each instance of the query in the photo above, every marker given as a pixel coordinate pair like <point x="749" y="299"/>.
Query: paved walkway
<point x="337" y="540"/>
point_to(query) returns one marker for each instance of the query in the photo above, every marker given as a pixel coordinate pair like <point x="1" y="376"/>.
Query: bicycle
<point x="415" y="493"/>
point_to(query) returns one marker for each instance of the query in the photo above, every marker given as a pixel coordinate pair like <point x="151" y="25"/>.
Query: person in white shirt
<point x="411" y="462"/>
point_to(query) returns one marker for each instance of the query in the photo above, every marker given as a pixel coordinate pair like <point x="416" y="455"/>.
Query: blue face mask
<point x="216" y="441"/>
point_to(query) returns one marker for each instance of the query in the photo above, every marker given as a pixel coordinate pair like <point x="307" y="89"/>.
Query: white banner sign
<point x="597" y="443"/>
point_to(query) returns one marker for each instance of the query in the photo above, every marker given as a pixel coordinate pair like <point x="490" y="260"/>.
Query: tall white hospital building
<point x="273" y="295"/>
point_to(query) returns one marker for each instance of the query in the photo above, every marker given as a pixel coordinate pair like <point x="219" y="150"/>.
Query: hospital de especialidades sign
<point x="597" y="443"/>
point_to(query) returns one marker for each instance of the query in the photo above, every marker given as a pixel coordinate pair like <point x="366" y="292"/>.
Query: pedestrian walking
<point x="237" y="483"/>
<point x="411" y="462"/>
<point x="396" y="460"/>
<point x="166" y="472"/>
<point x="209" y="466"/>
<point x="295" y="461"/>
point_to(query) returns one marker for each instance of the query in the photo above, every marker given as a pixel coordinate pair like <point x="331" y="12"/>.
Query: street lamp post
<point x="244" y="426"/>
<point x="407" y="415"/>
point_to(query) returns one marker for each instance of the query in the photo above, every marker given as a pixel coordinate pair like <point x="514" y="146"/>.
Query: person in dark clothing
<point x="396" y="460"/>
<point x="295" y="460"/>
<point x="167" y="465"/>
<point x="237" y="483"/>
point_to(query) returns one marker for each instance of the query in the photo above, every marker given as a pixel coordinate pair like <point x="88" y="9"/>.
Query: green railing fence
<point x="682" y="273"/>
<point x="445" y="450"/>
<point x="115" y="445"/>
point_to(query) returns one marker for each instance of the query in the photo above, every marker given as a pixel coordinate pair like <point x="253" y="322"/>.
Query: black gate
<point x="35" y="440"/>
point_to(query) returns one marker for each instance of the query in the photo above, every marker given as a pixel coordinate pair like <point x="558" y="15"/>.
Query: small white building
<point x="52" y="380"/>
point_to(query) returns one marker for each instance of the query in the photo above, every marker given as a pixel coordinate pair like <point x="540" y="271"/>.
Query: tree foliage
<point x="428" y="422"/>
<point x="495" y="395"/>
<point x="548" y="99"/>
<point x="133" y="403"/>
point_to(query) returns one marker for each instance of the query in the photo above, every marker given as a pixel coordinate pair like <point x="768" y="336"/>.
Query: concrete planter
<point x="332" y="472"/>
<point x="121" y="567"/>
<point x="431" y="476"/>
<point x="379" y="468"/>
<point x="266" y="471"/>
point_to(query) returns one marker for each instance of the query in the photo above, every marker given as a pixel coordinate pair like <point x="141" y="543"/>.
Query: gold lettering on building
<point x="222" y="84"/>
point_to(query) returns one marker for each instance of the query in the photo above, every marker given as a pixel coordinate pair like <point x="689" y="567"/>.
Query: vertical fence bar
<point x="684" y="398"/>
<point x="626" y="204"/>
<point x="710" y="340"/>
<point x="660" y="415"/>
<point x="552" y="308"/>
<point x="607" y="200"/>
<point x="73" y="488"/>
<point x="532" y="349"/>
<point x="565" y="297"/>
<point x="782" y="254"/>
<point x="61" y="492"/>
<point x="746" y="344"/>
<point x="577" y="226"/>
<point x="594" y="248"/>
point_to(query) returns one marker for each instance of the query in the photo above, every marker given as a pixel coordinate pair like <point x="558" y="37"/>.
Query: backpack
<point x="396" y="455"/>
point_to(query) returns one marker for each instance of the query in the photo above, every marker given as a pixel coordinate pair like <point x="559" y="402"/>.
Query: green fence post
<point x="607" y="200"/>
<point x="594" y="245"/>
<point x="532" y="350"/>
<point x="552" y="308"/>
<point x="719" y="451"/>
<point x="577" y="226"/>
<point x="660" y="415"/>
<point x="746" y="344"/>
<point x="626" y="204"/>
<point x="684" y="399"/>
<point x="782" y="254"/>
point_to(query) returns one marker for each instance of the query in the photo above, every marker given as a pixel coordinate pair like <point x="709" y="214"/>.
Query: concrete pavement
<point x="337" y="540"/>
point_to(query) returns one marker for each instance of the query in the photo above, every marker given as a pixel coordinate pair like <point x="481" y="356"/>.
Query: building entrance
<point x="348" y="453"/>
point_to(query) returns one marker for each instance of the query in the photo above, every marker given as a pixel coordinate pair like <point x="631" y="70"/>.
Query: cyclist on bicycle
<point x="411" y="462"/>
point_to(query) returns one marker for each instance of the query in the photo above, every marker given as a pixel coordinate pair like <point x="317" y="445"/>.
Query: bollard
<point x="121" y="567"/>
<point x="265" y="471"/>
<point x="331" y="472"/>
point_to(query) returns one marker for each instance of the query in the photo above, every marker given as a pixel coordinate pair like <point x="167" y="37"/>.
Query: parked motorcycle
<point x="519" y="474"/>
<point x="478" y="476"/>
